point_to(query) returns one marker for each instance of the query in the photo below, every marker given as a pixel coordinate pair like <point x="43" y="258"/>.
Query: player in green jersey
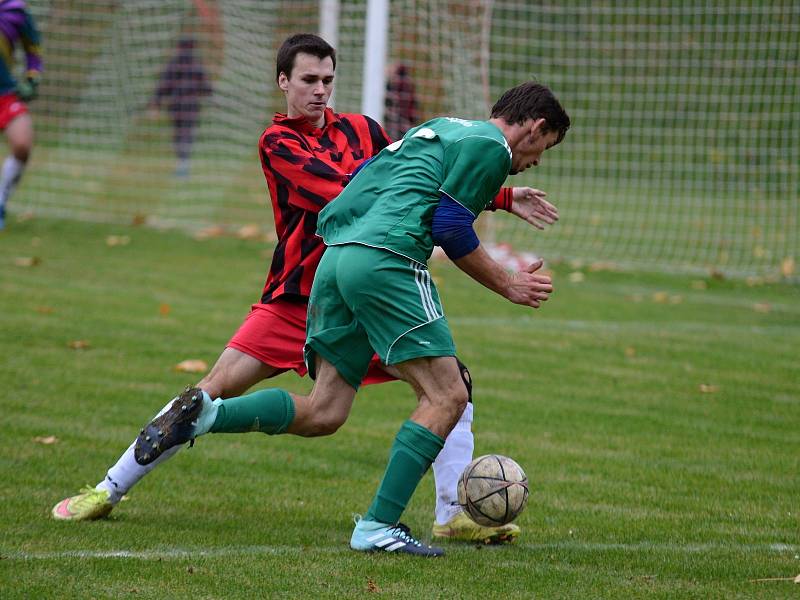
<point x="372" y="293"/>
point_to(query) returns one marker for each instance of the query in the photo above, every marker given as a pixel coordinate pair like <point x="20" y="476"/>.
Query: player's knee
<point x="21" y="146"/>
<point x="21" y="152"/>
<point x="214" y="385"/>
<point x="456" y="402"/>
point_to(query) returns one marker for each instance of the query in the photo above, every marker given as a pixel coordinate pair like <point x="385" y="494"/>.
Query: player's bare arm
<point x="526" y="287"/>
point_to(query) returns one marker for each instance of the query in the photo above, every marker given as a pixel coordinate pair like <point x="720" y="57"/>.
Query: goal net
<point x="684" y="152"/>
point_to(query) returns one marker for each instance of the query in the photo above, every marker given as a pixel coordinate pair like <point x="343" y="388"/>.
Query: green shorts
<point x="368" y="300"/>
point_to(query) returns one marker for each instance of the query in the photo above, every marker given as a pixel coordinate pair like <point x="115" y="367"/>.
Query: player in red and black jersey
<point x="306" y="167"/>
<point x="308" y="156"/>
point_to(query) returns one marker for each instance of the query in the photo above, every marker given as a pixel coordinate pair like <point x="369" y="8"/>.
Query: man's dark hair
<point x="532" y="100"/>
<point x="301" y="42"/>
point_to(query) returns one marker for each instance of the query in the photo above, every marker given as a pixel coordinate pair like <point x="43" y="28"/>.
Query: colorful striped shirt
<point x="17" y="27"/>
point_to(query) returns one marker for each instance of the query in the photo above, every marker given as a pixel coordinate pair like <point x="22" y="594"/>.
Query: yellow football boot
<point x="463" y="529"/>
<point x="90" y="504"/>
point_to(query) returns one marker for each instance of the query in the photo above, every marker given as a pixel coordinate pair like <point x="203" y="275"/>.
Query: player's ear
<point x="283" y="82"/>
<point x="537" y="128"/>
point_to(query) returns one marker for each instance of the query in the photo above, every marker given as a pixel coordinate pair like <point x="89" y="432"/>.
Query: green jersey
<point x="390" y="204"/>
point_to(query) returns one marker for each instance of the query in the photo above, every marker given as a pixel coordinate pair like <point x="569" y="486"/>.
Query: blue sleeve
<point x="452" y="228"/>
<point x="361" y="166"/>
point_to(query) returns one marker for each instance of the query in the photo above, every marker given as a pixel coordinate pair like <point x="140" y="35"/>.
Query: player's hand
<point x="529" y="205"/>
<point x="529" y="287"/>
<point x="27" y="89"/>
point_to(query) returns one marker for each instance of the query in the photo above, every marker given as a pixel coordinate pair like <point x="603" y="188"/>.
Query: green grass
<point x="644" y="486"/>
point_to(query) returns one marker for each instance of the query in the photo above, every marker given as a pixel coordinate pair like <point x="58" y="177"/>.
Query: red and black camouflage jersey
<point x="306" y="168"/>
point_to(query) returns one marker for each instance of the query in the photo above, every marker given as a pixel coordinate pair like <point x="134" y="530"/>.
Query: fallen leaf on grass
<point x="372" y="586"/>
<point x="209" y="232"/>
<point x="630" y="351"/>
<point x="117" y="240"/>
<point x="787" y="269"/>
<point x="707" y="388"/>
<point x="192" y="366"/>
<point x="79" y="344"/>
<point x="138" y="219"/>
<point x="249" y="232"/>
<point x="163" y="309"/>
<point x="754" y="281"/>
<point x="576" y="277"/>
<point x="27" y="261"/>
<point x="600" y="266"/>
<point x="660" y="297"/>
<point x="717" y="274"/>
<point x="46" y="440"/>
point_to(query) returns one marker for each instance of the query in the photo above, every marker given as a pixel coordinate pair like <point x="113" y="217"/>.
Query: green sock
<point x="413" y="451"/>
<point x="270" y="411"/>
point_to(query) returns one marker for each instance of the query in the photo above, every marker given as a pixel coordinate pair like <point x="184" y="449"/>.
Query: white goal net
<point x="684" y="152"/>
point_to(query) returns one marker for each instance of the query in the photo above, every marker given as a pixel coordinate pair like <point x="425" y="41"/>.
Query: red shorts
<point x="275" y="334"/>
<point x="10" y="108"/>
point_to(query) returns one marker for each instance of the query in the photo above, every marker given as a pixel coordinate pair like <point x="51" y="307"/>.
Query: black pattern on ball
<point x="493" y="490"/>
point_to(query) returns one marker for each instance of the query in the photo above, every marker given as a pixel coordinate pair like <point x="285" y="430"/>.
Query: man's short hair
<point x="532" y="100"/>
<point x="301" y="42"/>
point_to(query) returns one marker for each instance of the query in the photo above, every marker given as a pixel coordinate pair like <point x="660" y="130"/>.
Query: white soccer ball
<point x="493" y="490"/>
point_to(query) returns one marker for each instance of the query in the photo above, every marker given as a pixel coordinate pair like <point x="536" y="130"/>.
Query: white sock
<point x="127" y="472"/>
<point x="451" y="462"/>
<point x="10" y="175"/>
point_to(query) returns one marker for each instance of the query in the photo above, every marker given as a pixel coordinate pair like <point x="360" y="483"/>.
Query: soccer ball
<point x="493" y="490"/>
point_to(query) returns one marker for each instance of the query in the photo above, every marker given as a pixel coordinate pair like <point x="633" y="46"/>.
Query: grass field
<point x="656" y="416"/>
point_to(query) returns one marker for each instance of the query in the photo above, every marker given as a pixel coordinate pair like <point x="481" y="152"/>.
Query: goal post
<point x="376" y="42"/>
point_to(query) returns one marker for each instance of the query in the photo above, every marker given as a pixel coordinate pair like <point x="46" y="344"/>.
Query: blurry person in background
<point x="181" y="87"/>
<point x="401" y="107"/>
<point x="17" y="27"/>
